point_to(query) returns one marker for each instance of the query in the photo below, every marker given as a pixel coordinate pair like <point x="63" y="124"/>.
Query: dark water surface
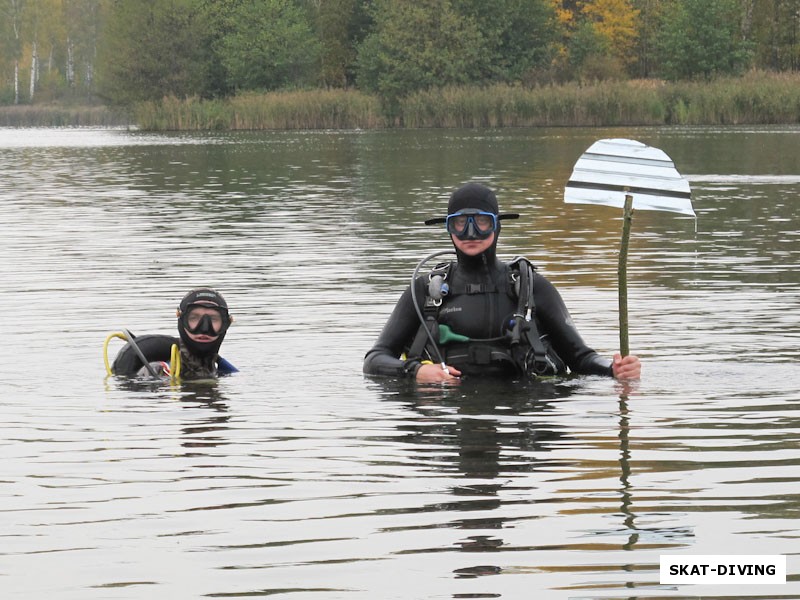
<point x="298" y="478"/>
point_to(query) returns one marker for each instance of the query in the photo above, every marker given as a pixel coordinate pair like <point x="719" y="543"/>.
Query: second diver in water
<point x="203" y="321"/>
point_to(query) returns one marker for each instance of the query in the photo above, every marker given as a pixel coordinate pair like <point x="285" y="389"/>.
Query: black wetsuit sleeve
<point x="556" y="322"/>
<point x="395" y="338"/>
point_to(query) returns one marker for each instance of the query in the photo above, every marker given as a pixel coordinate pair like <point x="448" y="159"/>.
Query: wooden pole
<point x="622" y="275"/>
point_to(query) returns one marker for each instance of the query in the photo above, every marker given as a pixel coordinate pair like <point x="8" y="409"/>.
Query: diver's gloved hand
<point x="626" y="368"/>
<point x="431" y="373"/>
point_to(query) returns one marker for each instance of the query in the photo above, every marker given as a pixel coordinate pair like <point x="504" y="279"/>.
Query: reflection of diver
<point x="210" y="430"/>
<point x="203" y="321"/>
<point x="204" y="398"/>
<point x="479" y="316"/>
<point x="497" y="428"/>
<point x="488" y="432"/>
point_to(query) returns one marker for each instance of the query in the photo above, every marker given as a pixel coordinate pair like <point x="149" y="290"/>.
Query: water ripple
<point x="298" y="477"/>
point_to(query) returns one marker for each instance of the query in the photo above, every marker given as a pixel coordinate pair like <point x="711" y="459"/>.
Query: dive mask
<point x="471" y="224"/>
<point x="204" y="319"/>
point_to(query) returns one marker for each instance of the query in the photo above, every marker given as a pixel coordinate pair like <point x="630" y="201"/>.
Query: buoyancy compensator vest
<point x="163" y="356"/>
<point x="519" y="350"/>
<point x="156" y="348"/>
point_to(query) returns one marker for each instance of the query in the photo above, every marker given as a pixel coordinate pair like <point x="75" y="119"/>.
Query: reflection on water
<point x="298" y="477"/>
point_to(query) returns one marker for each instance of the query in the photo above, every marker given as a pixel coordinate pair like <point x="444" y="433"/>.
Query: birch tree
<point x="12" y="15"/>
<point x="34" y="20"/>
<point x="83" y="21"/>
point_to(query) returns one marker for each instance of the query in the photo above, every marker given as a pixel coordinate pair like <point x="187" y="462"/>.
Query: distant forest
<point x="122" y="52"/>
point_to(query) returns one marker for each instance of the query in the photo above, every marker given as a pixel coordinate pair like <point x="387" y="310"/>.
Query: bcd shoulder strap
<point x="524" y="333"/>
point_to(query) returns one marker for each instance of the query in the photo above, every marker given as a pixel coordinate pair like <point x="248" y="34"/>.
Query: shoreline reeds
<point x="757" y="98"/>
<point x="313" y="109"/>
<point x="40" y="115"/>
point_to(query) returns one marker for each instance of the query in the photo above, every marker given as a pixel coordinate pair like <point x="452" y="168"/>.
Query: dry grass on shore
<point x="756" y="98"/>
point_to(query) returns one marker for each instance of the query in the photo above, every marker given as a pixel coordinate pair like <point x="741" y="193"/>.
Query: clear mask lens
<point x="204" y="321"/>
<point x="471" y="223"/>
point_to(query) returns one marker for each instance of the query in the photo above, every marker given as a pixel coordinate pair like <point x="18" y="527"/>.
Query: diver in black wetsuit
<point x="478" y="322"/>
<point x="203" y="321"/>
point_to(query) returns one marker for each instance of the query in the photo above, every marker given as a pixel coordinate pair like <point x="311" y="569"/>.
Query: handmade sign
<point x="629" y="175"/>
<point x="611" y="169"/>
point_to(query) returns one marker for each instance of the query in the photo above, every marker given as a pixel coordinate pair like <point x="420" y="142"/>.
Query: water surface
<point x="298" y="477"/>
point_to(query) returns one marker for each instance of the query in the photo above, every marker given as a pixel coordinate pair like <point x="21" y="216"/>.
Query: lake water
<point x="298" y="477"/>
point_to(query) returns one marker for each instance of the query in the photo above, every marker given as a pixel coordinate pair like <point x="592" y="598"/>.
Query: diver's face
<point x="203" y="324"/>
<point x="473" y="247"/>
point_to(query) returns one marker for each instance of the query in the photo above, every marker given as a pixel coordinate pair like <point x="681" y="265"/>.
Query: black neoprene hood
<point x="201" y="296"/>
<point x="473" y="195"/>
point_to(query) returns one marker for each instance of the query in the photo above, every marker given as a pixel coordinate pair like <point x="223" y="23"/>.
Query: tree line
<point x="120" y="52"/>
